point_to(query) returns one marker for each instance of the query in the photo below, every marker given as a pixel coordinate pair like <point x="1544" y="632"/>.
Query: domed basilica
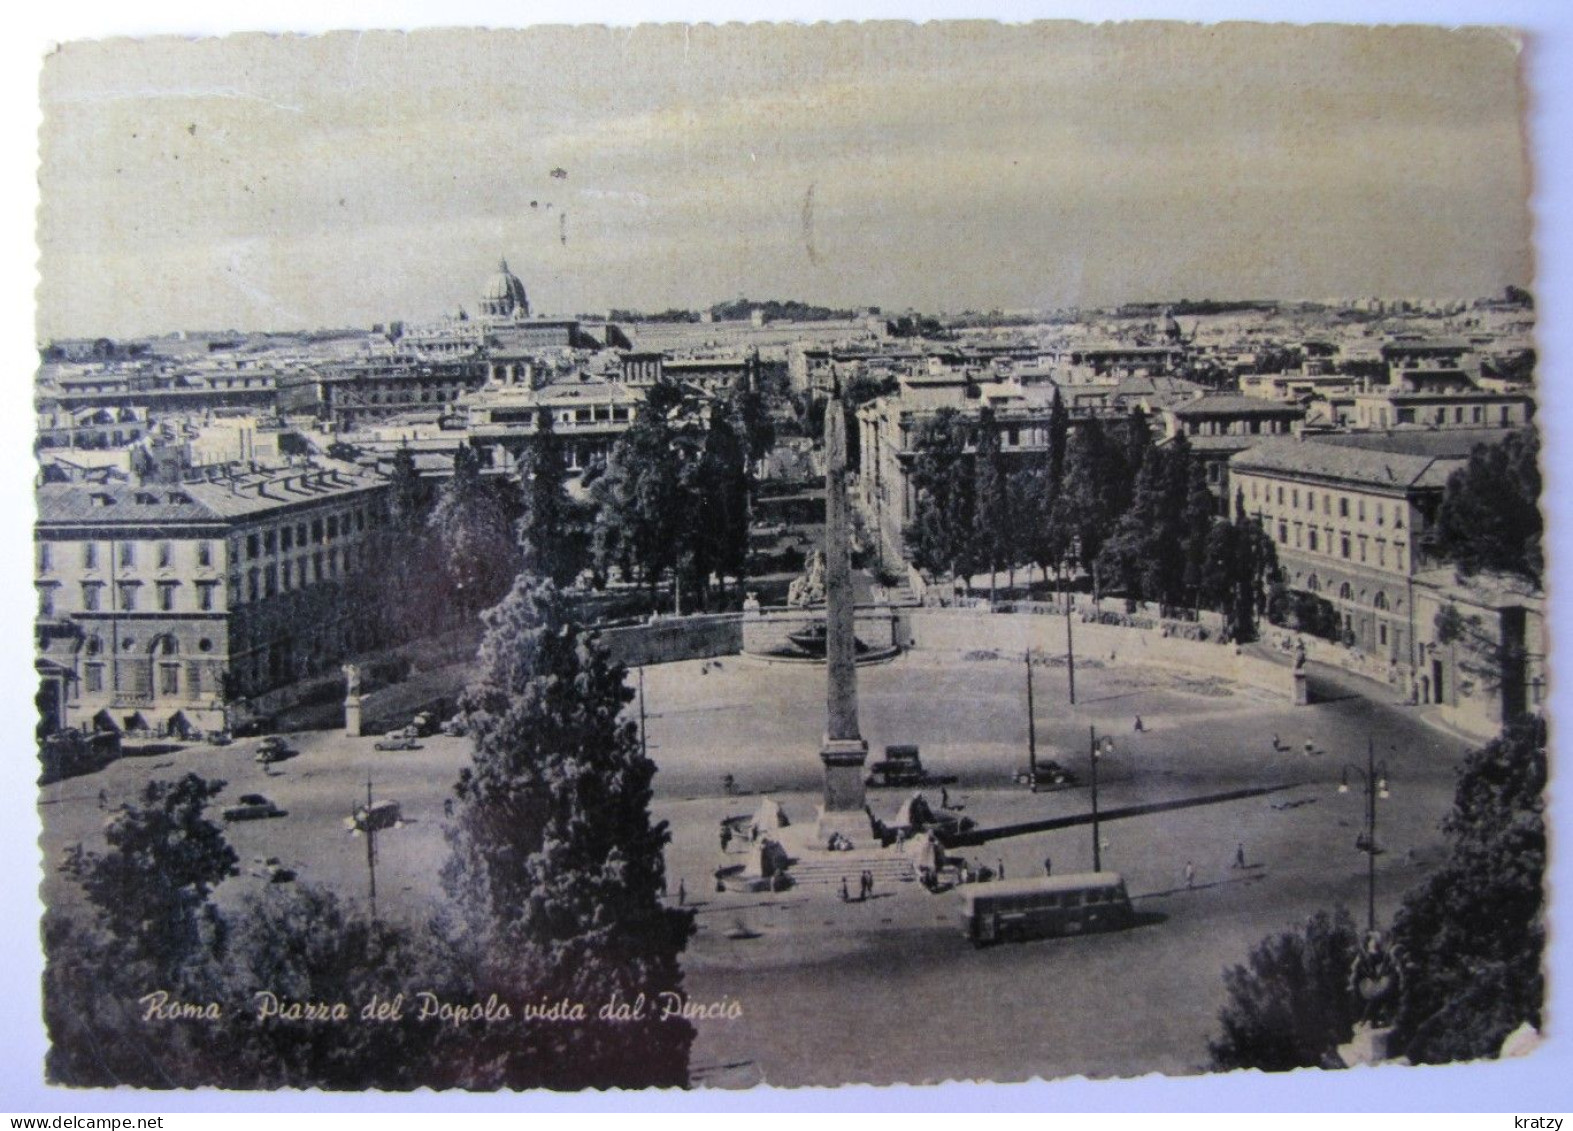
<point x="504" y="298"/>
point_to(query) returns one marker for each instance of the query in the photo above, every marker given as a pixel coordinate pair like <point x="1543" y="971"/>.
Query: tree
<point x="1472" y="935"/>
<point x="406" y="493"/>
<point x="1290" y="1005"/>
<point x="724" y="487"/>
<point x="303" y="943"/>
<point x="150" y="891"/>
<point x="751" y="417"/>
<point x="1059" y="435"/>
<point x="474" y="535"/>
<point x="556" y="868"/>
<point x="643" y="511"/>
<point x="1490" y="517"/>
<point x="941" y="533"/>
<point x="551" y="537"/>
<point x="1196" y="524"/>
<point x="151" y="928"/>
<point x="1145" y="551"/>
<point x="1240" y="571"/>
<point x="993" y="530"/>
<point x="1093" y="495"/>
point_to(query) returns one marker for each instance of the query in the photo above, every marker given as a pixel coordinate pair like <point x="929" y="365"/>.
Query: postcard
<point x="700" y="557"/>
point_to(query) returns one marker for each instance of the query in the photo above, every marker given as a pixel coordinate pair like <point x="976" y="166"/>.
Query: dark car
<point x="253" y="807"/>
<point x="1050" y="775"/>
<point x="274" y="749"/>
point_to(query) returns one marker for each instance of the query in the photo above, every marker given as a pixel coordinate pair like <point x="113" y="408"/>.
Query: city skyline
<point x="259" y="183"/>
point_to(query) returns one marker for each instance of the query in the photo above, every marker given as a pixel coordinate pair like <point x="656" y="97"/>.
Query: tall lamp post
<point x="1374" y="781"/>
<point x="1096" y="750"/>
<point x="1032" y="732"/>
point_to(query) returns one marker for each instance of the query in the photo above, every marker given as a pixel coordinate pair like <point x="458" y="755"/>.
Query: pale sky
<point x="287" y="182"/>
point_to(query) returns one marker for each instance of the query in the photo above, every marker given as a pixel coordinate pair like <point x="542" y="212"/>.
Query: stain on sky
<point x="808" y="226"/>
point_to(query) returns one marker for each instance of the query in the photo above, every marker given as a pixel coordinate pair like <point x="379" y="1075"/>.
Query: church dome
<point x="504" y="295"/>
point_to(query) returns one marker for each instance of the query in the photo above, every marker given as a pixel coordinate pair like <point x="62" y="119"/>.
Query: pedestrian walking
<point x="1048" y="866"/>
<point x="1239" y="855"/>
<point x="870" y="882"/>
<point x="682" y="893"/>
<point x="846" y="896"/>
<point x="1139" y="726"/>
<point x="999" y="868"/>
<point x="944" y="798"/>
<point x="1190" y="874"/>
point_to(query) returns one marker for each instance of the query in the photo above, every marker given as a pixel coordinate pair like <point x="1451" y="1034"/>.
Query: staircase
<point x="827" y="869"/>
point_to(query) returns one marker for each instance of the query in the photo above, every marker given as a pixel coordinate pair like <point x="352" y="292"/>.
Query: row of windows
<point x="1292" y="498"/>
<point x="1341" y="543"/>
<point x="270" y="580"/>
<point x="169" y="678"/>
<point x="166" y="597"/>
<point x="126" y="555"/>
<point x="318" y="531"/>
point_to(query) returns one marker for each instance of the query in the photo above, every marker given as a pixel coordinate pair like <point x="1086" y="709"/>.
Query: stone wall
<point x="668" y="639"/>
<point x="765" y="631"/>
<point x="963" y="630"/>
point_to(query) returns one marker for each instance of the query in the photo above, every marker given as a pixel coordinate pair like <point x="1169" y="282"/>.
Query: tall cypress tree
<point x="941" y="533"/>
<point x="549" y="536"/>
<point x="556" y="872"/>
<point x="991" y="516"/>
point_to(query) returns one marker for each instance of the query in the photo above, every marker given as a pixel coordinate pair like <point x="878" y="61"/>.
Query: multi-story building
<point x="888" y="430"/>
<point x="174" y="605"/>
<point x="386" y="384"/>
<point x="587" y="415"/>
<point x="1348" y="523"/>
<point x="1218" y="426"/>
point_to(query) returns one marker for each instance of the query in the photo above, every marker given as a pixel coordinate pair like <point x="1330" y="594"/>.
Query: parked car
<point x="1051" y="776"/>
<point x="220" y="738"/>
<point x="274" y="749"/>
<point x="423" y="724"/>
<point x="398" y="740"/>
<point x="253" y="807"/>
<point x="376" y="817"/>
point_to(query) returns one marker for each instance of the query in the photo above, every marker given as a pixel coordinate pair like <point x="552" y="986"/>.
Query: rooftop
<point x="227" y="498"/>
<point x="1322" y="460"/>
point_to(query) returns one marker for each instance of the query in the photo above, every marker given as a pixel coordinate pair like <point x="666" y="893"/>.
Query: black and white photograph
<point x="741" y="556"/>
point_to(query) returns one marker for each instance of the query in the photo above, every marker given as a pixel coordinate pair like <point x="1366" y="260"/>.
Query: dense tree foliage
<point x="474" y="534"/>
<point x="150" y="890"/>
<point x="675" y="495"/>
<point x="553" y="533"/>
<point x="1290" y="1005"/>
<point x="556" y="873"/>
<point x="1473" y="934"/>
<point x="1490" y="514"/>
<point x="995" y="536"/>
<point x="1239" y="575"/>
<point x="942" y="532"/>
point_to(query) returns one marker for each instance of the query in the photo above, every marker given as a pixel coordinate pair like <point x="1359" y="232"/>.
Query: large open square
<point x="813" y="975"/>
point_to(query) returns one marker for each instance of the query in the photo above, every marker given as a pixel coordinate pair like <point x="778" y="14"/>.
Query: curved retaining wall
<point x="963" y="630"/>
<point x="670" y="639"/>
<point x="702" y="637"/>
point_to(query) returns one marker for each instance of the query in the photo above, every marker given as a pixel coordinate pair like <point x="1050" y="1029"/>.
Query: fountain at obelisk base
<point x="844" y="812"/>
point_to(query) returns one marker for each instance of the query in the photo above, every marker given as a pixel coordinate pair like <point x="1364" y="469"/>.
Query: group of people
<point x="865" y="887"/>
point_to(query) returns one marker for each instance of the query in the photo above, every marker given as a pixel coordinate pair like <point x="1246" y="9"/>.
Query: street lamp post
<point x="1032" y="732"/>
<point x="1070" y="651"/>
<point x="1093" y="756"/>
<point x="1374" y="779"/>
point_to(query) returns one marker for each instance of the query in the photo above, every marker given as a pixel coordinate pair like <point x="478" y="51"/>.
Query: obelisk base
<point x="844" y="810"/>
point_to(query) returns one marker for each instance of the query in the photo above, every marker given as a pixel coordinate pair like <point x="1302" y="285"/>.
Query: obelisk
<point x="845" y="750"/>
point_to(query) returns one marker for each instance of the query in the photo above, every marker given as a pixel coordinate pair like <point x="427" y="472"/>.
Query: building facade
<point x="172" y="606"/>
